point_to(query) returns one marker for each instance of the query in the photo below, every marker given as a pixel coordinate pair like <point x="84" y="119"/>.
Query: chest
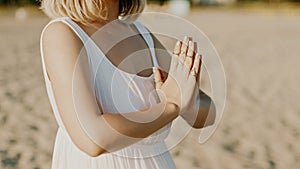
<point x="126" y="49"/>
<point x="132" y="55"/>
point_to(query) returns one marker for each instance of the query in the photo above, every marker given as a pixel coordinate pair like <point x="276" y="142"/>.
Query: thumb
<point x="158" y="81"/>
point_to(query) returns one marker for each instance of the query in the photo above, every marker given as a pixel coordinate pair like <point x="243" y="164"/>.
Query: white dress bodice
<point x="119" y="92"/>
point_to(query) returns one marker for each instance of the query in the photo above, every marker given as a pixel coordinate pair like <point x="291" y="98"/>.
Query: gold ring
<point x="158" y="81"/>
<point x="193" y="72"/>
<point x="175" y="53"/>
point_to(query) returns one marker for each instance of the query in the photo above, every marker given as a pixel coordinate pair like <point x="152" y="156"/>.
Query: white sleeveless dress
<point x="152" y="151"/>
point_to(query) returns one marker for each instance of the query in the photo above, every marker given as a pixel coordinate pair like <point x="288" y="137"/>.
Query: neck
<point x="112" y="7"/>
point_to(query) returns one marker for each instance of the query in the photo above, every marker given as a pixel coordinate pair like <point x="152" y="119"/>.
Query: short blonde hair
<point x="89" y="11"/>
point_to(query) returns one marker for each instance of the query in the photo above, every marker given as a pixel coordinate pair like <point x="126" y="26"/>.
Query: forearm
<point x="160" y="115"/>
<point x="205" y="114"/>
<point x="140" y="127"/>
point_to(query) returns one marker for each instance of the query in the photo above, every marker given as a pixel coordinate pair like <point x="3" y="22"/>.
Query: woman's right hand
<point x="179" y="87"/>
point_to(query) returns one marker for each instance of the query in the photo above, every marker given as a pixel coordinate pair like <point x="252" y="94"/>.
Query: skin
<point x="60" y="60"/>
<point x="206" y="113"/>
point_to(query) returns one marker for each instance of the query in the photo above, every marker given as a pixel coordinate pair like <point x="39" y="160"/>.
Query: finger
<point x="174" y="58"/>
<point x="183" y="49"/>
<point x="190" y="56"/>
<point x="196" y="51"/>
<point x="177" y="47"/>
<point x="196" y="66"/>
<point x="158" y="82"/>
<point x="199" y="71"/>
<point x="163" y="76"/>
<point x="195" y="47"/>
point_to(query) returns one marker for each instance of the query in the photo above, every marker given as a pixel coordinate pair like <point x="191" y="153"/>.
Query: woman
<point x="88" y="117"/>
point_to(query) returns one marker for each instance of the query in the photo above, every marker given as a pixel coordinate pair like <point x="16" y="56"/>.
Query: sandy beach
<point x="260" y="51"/>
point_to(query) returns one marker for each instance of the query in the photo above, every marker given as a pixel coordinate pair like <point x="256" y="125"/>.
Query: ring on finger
<point x="175" y="53"/>
<point x="158" y="81"/>
<point x="180" y="62"/>
<point x="194" y="72"/>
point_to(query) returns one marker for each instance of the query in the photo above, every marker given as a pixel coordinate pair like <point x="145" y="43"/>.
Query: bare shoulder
<point x="61" y="47"/>
<point x="58" y="37"/>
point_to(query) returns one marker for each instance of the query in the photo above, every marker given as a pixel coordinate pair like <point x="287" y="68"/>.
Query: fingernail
<point x="177" y="47"/>
<point x="191" y="44"/>
<point x="185" y="39"/>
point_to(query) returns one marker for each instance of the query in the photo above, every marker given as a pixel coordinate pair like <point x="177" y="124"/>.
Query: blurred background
<point x="259" y="45"/>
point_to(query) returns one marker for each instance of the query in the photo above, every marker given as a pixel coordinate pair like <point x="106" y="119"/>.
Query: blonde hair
<point x="89" y="11"/>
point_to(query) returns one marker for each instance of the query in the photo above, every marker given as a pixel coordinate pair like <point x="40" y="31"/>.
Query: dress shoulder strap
<point x="149" y="40"/>
<point x="77" y="29"/>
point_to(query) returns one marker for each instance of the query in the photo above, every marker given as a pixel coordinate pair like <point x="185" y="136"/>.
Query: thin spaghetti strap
<point x="88" y="43"/>
<point x="80" y="32"/>
<point x="149" y="40"/>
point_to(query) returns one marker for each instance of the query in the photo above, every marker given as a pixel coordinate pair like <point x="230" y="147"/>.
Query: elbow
<point x="91" y="150"/>
<point x="209" y="119"/>
<point x="203" y="125"/>
<point x="206" y="123"/>
<point x="95" y="152"/>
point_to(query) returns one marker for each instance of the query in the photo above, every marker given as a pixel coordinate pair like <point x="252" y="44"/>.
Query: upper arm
<point x="61" y="49"/>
